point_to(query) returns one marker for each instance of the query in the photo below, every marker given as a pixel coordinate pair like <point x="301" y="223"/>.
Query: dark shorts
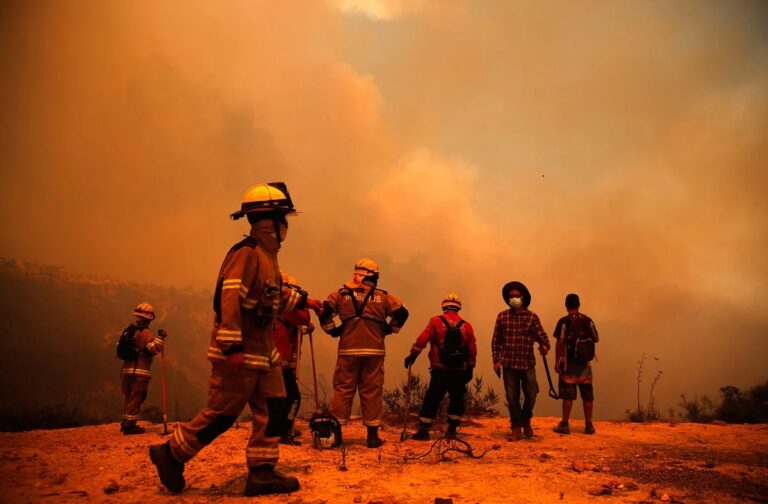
<point x="567" y="391"/>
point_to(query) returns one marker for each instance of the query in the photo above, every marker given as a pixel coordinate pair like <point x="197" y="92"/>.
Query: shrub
<point x="699" y="409"/>
<point x="481" y="402"/>
<point x="480" y="399"/>
<point x="743" y="407"/>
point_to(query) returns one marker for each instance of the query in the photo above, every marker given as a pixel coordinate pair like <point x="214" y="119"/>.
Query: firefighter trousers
<point x="364" y="375"/>
<point x="227" y="396"/>
<point x="134" y="390"/>
<point x="443" y="381"/>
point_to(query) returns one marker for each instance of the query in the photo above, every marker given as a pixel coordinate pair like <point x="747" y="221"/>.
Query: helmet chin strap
<point x="276" y="223"/>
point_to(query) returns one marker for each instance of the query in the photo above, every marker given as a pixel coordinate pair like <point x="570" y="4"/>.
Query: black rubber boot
<point x="422" y="434"/>
<point x="264" y="480"/>
<point x="170" y="470"/>
<point x="129" y="430"/>
<point x="451" y="432"/>
<point x="374" y="441"/>
<point x="288" y="440"/>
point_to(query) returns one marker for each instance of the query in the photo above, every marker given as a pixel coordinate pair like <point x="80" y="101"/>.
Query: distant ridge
<point x="58" y="329"/>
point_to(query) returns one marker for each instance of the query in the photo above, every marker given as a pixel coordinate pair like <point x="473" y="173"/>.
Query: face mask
<point x="264" y="231"/>
<point x="515" y="302"/>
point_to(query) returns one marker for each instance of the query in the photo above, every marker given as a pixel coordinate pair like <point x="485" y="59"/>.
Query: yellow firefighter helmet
<point x="366" y="266"/>
<point x="451" y="300"/>
<point x="145" y="310"/>
<point x="271" y="197"/>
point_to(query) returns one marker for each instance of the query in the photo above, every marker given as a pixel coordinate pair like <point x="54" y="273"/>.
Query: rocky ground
<point x="624" y="462"/>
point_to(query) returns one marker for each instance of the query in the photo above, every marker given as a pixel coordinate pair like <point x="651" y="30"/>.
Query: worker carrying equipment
<point x="136" y="347"/>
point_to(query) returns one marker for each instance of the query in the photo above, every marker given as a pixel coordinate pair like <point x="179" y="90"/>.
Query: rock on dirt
<point x="112" y="487"/>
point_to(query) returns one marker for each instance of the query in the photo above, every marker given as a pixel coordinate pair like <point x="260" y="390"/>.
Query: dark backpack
<point x="453" y="351"/>
<point x="126" y="345"/>
<point x="579" y="338"/>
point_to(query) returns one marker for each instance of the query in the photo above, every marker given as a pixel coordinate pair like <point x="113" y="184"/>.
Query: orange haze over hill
<point x="617" y="150"/>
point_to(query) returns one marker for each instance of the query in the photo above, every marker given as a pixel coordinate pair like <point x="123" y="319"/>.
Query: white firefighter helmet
<point x="145" y="310"/>
<point x="272" y="197"/>
<point x="366" y="267"/>
<point x="451" y="300"/>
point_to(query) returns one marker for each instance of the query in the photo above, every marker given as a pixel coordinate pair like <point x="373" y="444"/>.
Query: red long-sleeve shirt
<point x="286" y="334"/>
<point x="434" y="334"/>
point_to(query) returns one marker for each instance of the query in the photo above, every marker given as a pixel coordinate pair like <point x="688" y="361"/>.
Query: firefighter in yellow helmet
<point x="367" y="314"/>
<point x="136" y="347"/>
<point x="245" y="365"/>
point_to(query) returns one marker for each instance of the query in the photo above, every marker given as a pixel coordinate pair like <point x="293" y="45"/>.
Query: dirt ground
<point x="624" y="462"/>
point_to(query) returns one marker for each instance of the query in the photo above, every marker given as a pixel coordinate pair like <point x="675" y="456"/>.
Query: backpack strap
<point x="448" y="324"/>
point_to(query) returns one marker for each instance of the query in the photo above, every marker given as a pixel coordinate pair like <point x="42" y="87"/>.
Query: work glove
<point x="162" y="333"/>
<point x="336" y="331"/>
<point x="543" y="350"/>
<point x="468" y="374"/>
<point x="497" y="368"/>
<point x="410" y="360"/>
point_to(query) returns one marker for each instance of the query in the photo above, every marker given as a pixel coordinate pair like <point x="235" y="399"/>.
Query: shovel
<point x="407" y="391"/>
<point x="164" y="335"/>
<point x="552" y="392"/>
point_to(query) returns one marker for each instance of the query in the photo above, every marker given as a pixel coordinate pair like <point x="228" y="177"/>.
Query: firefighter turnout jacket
<point x="367" y="314"/>
<point x="434" y="335"/>
<point x="148" y="345"/>
<point x="249" y="294"/>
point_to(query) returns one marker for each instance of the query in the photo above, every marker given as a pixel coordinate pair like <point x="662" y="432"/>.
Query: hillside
<point x="624" y="462"/>
<point x="57" y="345"/>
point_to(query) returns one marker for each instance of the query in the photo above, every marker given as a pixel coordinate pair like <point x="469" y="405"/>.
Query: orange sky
<point x="614" y="149"/>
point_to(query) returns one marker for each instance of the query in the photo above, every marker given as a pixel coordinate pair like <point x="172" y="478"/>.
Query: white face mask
<point x="515" y="302"/>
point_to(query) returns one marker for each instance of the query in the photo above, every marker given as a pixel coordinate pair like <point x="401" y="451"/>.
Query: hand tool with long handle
<point x="407" y="391"/>
<point x="164" y="335"/>
<point x="552" y="393"/>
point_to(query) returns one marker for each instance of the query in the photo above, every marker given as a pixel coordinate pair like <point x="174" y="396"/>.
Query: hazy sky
<point x="614" y="149"/>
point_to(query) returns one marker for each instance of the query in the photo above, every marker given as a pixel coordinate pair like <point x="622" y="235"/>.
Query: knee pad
<point x="276" y="422"/>
<point x="219" y="426"/>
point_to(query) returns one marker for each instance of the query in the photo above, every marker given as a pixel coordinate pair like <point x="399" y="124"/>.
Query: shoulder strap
<point x="368" y="296"/>
<point x="448" y="324"/>
<point x="346" y="291"/>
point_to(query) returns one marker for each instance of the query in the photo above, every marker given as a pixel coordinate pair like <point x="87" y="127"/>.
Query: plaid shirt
<point x="513" y="338"/>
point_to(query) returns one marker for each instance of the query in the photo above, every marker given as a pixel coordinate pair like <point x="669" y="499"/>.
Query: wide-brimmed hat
<point x="515" y="285"/>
